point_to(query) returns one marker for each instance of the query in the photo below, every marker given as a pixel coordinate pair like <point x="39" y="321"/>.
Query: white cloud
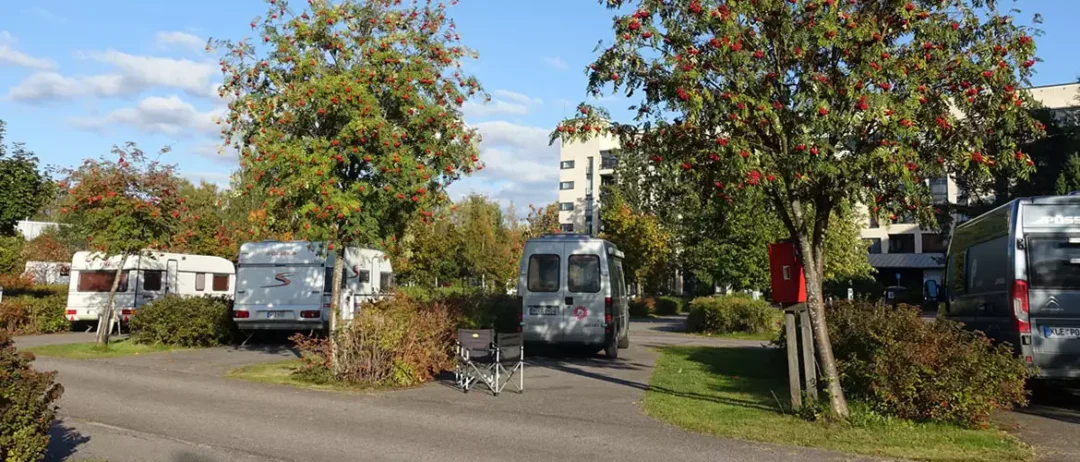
<point x="221" y="180"/>
<point x="224" y="154"/>
<point x="182" y="40"/>
<point x="557" y="63"/>
<point x="11" y="56"/>
<point x="519" y="165"/>
<point x="171" y="116"/>
<point x="502" y="102"/>
<point x="131" y="75"/>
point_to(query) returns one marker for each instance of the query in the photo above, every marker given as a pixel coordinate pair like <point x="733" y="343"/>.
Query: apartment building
<point x="906" y="255"/>
<point x="584" y="168"/>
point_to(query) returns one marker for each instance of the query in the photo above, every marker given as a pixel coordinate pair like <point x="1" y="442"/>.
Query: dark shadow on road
<point x="63" y="442"/>
<point x="1055" y="400"/>
<point x="189" y="457"/>
<point x="273" y="342"/>
<point x="675" y="324"/>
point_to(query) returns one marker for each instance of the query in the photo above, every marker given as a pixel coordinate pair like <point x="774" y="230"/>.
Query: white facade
<point x="32" y="229"/>
<point x="584" y="167"/>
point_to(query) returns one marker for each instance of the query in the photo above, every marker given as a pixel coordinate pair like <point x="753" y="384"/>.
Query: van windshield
<point x="583" y="273"/>
<point x="1054" y="262"/>
<point x="543" y="273"/>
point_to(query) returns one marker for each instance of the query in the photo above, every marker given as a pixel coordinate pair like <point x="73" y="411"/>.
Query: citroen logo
<point x="1052" y="302"/>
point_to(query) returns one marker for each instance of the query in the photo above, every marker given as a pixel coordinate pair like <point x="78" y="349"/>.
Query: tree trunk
<point x="335" y="307"/>
<point x="105" y="318"/>
<point x="813" y="258"/>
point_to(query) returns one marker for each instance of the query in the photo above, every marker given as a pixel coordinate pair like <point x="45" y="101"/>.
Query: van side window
<point x="956" y="275"/>
<point x="988" y="266"/>
<point x="543" y="273"/>
<point x="583" y="273"/>
<point x="1051" y="262"/>
<point x="328" y="281"/>
<point x="151" y="280"/>
<point x="618" y="285"/>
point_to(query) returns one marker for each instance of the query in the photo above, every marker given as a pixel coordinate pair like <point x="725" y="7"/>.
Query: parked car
<point x="571" y="291"/>
<point x="1014" y="273"/>
<point x="288" y="285"/>
<point x="145" y="278"/>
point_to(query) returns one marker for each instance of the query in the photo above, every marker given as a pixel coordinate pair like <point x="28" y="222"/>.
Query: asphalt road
<point x="176" y="407"/>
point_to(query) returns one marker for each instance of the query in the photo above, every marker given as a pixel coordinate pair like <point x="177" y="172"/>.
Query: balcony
<point x="609" y="162"/>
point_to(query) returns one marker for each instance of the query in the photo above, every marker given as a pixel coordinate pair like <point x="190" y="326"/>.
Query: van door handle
<point x="569" y="300"/>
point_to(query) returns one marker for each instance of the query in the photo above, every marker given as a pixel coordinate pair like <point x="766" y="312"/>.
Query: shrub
<point x="474" y="309"/>
<point x="732" y="313"/>
<point x="667" y="306"/>
<point x="395" y="341"/>
<point x="16" y="285"/>
<point x="184" y="321"/>
<point x="33" y="315"/>
<point x="903" y="366"/>
<point x="643" y="307"/>
<point x="11" y="254"/>
<point x="27" y="405"/>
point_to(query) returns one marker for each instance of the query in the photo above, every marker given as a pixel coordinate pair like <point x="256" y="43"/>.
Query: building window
<point x="608" y="161"/>
<point x="874" y="222"/>
<point x="566" y="164"/>
<point x="567" y="228"/>
<point x="901" y="243"/>
<point x="934" y="243"/>
<point x="566" y="185"/>
<point x="566" y="206"/>
<point x="873" y="244"/>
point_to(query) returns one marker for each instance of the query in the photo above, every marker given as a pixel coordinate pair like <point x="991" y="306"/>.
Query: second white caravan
<point x="145" y="278"/>
<point x="287" y="285"/>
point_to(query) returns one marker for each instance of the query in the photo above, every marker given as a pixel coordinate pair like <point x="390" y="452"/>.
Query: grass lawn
<point x="114" y="349"/>
<point x="281" y="373"/>
<point x="729" y="392"/>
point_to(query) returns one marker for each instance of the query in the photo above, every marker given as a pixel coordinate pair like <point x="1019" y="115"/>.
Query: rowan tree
<point x="542" y="220"/>
<point x="347" y="117"/>
<point x="123" y="207"/>
<point x="818" y="103"/>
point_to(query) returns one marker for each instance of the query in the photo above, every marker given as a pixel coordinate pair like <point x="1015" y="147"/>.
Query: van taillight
<point x="1020" y="306"/>
<point x="239" y="314"/>
<point x="609" y="313"/>
<point x="313" y="314"/>
<point x="520" y="312"/>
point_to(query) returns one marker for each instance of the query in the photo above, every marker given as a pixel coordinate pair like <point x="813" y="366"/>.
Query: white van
<point x="287" y="285"/>
<point x="146" y="278"/>
<point x="571" y="291"/>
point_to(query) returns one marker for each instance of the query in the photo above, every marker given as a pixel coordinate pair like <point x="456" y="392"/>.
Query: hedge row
<point x="730" y="314"/>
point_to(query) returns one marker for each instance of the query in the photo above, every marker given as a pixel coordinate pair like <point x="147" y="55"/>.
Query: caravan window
<point x="363" y="276"/>
<point x="1054" y="262"/>
<point x="200" y="282"/>
<point x="583" y="273"/>
<point x="101" y="281"/>
<point x="386" y="281"/>
<point x="543" y="273"/>
<point x="151" y="280"/>
<point x="221" y="282"/>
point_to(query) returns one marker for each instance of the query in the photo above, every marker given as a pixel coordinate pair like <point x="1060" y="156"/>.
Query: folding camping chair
<point x="484" y="357"/>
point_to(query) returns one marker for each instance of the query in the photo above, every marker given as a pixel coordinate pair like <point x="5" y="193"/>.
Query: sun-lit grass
<point x="739" y="393"/>
<point x="281" y="373"/>
<point x="114" y="349"/>
<point x="764" y="336"/>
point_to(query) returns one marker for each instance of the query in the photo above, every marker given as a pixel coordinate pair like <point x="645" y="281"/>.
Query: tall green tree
<point x="819" y="103"/>
<point x="123" y="207"/>
<point x="23" y="187"/>
<point x="542" y="220"/>
<point x="347" y="117"/>
<point x="646" y="244"/>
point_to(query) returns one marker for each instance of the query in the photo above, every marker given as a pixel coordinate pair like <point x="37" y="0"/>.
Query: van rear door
<point x="1053" y="267"/>
<point x="584" y="297"/>
<point x="542" y="299"/>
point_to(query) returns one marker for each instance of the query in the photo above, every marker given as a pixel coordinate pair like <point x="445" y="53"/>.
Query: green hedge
<point x="25" y="314"/>
<point x="184" y="321"/>
<point x="27" y="405"/>
<point x="668" y="305"/>
<point x="903" y="366"/>
<point x="732" y="313"/>
<point x="643" y="307"/>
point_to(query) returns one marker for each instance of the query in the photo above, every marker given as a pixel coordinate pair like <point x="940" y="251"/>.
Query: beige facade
<point x="584" y="167"/>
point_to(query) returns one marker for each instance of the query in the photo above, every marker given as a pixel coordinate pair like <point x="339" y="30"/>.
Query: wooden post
<point x="792" y="359"/>
<point x="809" y="369"/>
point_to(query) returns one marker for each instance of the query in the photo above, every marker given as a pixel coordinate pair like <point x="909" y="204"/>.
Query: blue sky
<point x="77" y="77"/>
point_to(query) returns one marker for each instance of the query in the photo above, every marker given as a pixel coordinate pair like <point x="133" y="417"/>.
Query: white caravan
<point x="48" y="272"/>
<point x="571" y="291"/>
<point x="287" y="285"/>
<point x="145" y="278"/>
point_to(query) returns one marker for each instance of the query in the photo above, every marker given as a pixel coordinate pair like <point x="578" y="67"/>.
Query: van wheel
<point x="612" y="349"/>
<point x="624" y="341"/>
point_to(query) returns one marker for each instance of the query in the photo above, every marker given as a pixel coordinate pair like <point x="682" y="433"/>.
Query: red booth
<point x="786" y="273"/>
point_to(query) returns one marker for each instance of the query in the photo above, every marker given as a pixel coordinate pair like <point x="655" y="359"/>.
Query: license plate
<point x="277" y="314"/>
<point x="543" y="310"/>
<point x="1061" y="332"/>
